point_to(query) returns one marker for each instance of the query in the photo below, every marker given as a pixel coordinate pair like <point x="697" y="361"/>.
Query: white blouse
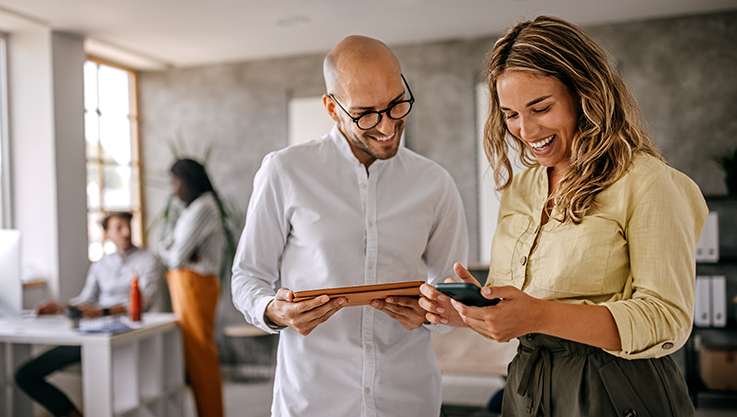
<point x="197" y="230"/>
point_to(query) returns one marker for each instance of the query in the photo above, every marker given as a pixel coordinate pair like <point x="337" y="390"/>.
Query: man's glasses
<point x="371" y="119"/>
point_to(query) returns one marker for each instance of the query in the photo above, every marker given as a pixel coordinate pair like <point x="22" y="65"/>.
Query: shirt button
<point x="368" y="347"/>
<point x="667" y="345"/>
<point x="368" y="390"/>
<point x="371" y="223"/>
<point x="523" y="261"/>
<point x="370" y="266"/>
<point x="363" y="185"/>
<point x="368" y="308"/>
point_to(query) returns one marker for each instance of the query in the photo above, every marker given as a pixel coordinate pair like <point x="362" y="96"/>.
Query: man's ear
<point x="330" y="107"/>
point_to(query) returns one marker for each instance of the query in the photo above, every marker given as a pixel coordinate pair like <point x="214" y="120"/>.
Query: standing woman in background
<point x="193" y="253"/>
<point x="594" y="253"/>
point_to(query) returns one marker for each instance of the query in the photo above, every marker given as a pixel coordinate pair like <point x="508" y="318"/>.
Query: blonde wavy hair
<point x="609" y="131"/>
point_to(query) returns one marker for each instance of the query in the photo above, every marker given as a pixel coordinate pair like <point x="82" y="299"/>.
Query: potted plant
<point x="728" y="163"/>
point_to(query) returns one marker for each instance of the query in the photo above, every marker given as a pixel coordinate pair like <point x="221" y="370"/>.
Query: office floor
<point x="469" y="364"/>
<point x="463" y="396"/>
<point x="254" y="400"/>
<point x="468" y="361"/>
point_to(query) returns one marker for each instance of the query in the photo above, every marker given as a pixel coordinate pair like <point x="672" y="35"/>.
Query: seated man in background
<point x="106" y="292"/>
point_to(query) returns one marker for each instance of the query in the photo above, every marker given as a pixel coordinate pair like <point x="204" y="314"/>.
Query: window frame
<point x="135" y="164"/>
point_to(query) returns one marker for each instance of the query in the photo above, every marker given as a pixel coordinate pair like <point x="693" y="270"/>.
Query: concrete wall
<point x="682" y="70"/>
<point x="684" y="75"/>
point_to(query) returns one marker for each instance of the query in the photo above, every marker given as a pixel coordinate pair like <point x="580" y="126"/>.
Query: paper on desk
<point x="103" y="325"/>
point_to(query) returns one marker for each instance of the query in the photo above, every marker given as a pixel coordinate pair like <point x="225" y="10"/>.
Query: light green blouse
<point x="634" y="252"/>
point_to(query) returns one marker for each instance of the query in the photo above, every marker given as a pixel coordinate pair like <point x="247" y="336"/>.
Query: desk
<point x="136" y="373"/>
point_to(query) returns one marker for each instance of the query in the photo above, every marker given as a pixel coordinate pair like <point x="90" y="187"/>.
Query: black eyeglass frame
<point x="386" y="110"/>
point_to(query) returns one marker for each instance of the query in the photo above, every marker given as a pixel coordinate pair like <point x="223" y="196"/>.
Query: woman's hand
<point x="438" y="306"/>
<point x="516" y="315"/>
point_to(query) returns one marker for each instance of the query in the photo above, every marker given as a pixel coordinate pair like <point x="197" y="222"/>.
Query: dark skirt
<point x="554" y="377"/>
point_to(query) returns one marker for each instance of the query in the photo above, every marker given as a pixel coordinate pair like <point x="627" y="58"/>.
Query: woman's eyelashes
<point x="510" y="116"/>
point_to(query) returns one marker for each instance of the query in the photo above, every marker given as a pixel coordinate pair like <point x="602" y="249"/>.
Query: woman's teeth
<point x="540" y="145"/>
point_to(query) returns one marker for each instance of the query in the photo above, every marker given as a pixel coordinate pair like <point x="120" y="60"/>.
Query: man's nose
<point x="386" y="124"/>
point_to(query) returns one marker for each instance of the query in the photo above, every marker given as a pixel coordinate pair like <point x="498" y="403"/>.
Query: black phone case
<point x="467" y="293"/>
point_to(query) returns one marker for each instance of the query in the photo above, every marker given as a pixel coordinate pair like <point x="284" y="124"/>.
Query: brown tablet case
<point x="363" y="294"/>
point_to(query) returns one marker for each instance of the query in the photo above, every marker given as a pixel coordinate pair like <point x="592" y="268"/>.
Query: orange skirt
<point x="194" y="299"/>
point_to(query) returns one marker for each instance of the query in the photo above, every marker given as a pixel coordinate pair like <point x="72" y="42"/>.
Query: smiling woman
<point x="596" y="282"/>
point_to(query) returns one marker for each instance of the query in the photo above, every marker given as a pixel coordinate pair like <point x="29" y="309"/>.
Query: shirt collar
<point x="130" y="252"/>
<point x="342" y="143"/>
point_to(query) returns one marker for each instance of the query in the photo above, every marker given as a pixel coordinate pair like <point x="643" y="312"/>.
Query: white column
<point x="47" y="155"/>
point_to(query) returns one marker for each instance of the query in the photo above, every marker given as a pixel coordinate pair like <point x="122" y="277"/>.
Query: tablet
<point x="363" y="294"/>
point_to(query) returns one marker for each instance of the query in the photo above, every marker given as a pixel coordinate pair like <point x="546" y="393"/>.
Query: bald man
<point x="351" y="208"/>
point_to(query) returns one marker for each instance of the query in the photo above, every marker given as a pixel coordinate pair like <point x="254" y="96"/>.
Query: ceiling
<point x="158" y="34"/>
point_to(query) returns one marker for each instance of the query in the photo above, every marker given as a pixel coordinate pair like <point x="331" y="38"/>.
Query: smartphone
<point x="467" y="293"/>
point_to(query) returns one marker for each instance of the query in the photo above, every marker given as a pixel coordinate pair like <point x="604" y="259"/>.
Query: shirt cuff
<point x="439" y="328"/>
<point x="261" y="313"/>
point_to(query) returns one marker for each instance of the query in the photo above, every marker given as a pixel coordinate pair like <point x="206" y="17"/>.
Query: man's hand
<point x="405" y="310"/>
<point x="303" y="316"/>
<point x="49" y="307"/>
<point x="89" y="312"/>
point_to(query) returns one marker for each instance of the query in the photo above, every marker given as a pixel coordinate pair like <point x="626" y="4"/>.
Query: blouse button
<point x="363" y="185"/>
<point x="370" y="266"/>
<point x="523" y="261"/>
<point x="667" y="345"/>
<point x="630" y="413"/>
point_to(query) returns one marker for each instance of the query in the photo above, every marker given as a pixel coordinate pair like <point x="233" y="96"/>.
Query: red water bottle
<point x="134" y="308"/>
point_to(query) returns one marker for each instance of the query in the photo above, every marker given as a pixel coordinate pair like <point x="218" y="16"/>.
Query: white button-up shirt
<point x="109" y="279"/>
<point x="318" y="220"/>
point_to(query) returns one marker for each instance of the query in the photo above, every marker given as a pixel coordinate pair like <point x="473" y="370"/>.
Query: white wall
<point x="47" y="155"/>
<point x="68" y="58"/>
<point x="33" y="193"/>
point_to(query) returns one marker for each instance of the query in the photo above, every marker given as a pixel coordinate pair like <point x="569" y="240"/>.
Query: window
<point x="488" y="196"/>
<point x="309" y="120"/>
<point x="111" y="134"/>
